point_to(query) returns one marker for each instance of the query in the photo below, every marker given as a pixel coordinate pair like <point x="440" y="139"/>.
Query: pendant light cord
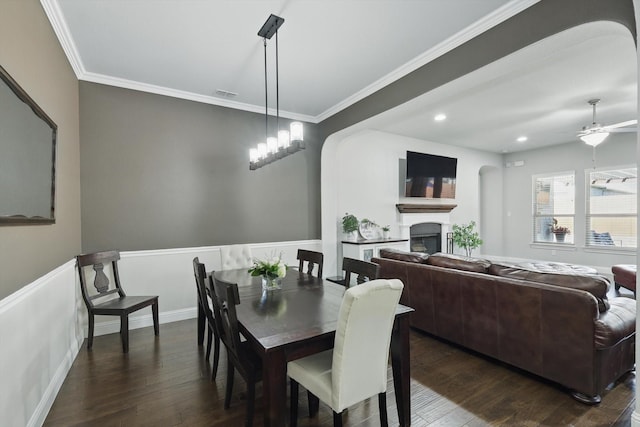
<point x="266" y="98"/>
<point x="277" y="90"/>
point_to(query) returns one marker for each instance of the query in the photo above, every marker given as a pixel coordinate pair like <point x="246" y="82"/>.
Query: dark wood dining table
<point x="298" y="320"/>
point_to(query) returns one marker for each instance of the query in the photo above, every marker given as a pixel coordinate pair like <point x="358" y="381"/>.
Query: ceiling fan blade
<point x="622" y="124"/>
<point x="623" y="130"/>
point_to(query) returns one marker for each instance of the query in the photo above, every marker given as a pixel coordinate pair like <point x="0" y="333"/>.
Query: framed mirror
<point x="27" y="157"/>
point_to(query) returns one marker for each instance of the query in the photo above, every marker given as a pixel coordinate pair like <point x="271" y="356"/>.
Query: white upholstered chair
<point x="236" y="256"/>
<point x="356" y="368"/>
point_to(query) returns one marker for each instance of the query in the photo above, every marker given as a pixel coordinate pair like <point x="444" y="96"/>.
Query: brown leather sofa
<point x="558" y="325"/>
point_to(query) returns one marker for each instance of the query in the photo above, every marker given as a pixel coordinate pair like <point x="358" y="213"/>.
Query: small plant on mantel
<point x="349" y="223"/>
<point x="465" y="236"/>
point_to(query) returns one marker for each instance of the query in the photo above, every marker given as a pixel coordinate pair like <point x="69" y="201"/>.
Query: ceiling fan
<point x="595" y="133"/>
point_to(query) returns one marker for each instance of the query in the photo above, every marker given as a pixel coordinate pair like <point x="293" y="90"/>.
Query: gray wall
<point x="617" y="150"/>
<point x="30" y="52"/>
<point x="160" y="172"/>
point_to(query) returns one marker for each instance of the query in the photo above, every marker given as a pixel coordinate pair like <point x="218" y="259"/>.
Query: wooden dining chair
<point x="363" y="270"/>
<point x="110" y="299"/>
<point x="356" y="368"/>
<point x="312" y="259"/>
<point x="239" y="356"/>
<point x="204" y="299"/>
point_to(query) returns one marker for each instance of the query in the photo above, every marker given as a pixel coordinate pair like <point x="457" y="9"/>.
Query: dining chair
<point x="236" y="256"/>
<point x="239" y="356"/>
<point x="363" y="270"/>
<point x="110" y="299"/>
<point x="204" y="300"/>
<point x="356" y="368"/>
<point x="312" y="259"/>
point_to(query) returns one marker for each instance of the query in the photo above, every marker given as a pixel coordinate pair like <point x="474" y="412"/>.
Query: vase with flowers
<point x="271" y="270"/>
<point x="559" y="231"/>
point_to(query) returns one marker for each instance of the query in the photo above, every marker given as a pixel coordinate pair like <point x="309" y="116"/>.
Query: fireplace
<point x="426" y="237"/>
<point x="426" y="226"/>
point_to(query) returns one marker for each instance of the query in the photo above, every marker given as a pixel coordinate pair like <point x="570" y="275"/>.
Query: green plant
<point x="349" y="223"/>
<point x="465" y="236"/>
<point x="272" y="268"/>
<point x="386" y="228"/>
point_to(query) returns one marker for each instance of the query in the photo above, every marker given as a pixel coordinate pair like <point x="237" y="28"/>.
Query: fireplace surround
<point x="429" y="223"/>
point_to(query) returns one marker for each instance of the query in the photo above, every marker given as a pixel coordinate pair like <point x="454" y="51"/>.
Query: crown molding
<point x="54" y="14"/>
<point x="60" y="28"/>
<point x="175" y="93"/>
<point x="489" y="21"/>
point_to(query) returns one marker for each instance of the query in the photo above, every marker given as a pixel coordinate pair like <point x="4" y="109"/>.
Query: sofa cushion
<point x="459" y="262"/>
<point x="557" y="274"/>
<point x="417" y="257"/>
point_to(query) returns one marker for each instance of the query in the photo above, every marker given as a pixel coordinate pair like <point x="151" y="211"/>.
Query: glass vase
<point x="270" y="283"/>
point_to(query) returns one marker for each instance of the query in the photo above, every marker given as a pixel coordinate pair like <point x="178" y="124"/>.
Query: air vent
<point x="225" y="93"/>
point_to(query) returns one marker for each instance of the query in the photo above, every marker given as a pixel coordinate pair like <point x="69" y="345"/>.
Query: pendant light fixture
<point x="284" y="142"/>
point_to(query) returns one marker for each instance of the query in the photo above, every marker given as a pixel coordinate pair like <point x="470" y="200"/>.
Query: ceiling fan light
<point x="595" y="138"/>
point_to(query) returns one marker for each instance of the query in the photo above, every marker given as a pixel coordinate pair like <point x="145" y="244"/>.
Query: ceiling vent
<point x="225" y="93"/>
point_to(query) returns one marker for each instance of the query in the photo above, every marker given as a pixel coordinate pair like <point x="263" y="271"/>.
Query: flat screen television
<point x="430" y="176"/>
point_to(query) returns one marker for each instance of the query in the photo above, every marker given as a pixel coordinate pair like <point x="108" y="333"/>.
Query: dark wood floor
<point x="164" y="381"/>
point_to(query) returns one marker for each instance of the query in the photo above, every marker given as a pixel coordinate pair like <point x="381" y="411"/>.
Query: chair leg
<point x="124" y="332"/>
<point x="382" y="406"/>
<point x="293" y="403"/>
<point x="156" y="321"/>
<point x="90" y="337"/>
<point x="216" y="355"/>
<point x="229" y="388"/>
<point x="314" y="404"/>
<point x="251" y="398"/>
<point x="337" y="419"/>
<point x="209" y="339"/>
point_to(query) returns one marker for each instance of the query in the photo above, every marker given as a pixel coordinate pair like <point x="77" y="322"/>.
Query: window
<point x="554" y="208"/>
<point x="611" y="208"/>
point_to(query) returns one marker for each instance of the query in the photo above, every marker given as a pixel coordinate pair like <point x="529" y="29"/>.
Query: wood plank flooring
<point x="165" y="381"/>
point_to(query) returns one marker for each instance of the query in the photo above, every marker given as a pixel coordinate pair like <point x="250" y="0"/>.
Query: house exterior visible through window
<point x="611" y="208"/>
<point x="554" y="208"/>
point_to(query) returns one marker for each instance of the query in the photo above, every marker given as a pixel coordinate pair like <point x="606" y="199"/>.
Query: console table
<point x="365" y="249"/>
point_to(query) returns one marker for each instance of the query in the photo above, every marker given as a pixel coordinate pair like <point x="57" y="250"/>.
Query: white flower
<point x="282" y="269"/>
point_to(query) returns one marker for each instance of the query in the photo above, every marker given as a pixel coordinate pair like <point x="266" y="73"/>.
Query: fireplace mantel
<point x="418" y="208"/>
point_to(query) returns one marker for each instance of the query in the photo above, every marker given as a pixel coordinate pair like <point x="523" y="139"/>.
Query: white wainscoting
<point x="43" y="325"/>
<point x="40" y="334"/>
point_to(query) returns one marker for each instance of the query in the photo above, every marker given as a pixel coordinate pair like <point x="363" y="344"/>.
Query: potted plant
<point x="559" y="231"/>
<point x="465" y="236"/>
<point x="350" y="224"/>
<point x="385" y="231"/>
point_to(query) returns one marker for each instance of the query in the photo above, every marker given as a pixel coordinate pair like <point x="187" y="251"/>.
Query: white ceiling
<point x="334" y="52"/>
<point x="540" y="92"/>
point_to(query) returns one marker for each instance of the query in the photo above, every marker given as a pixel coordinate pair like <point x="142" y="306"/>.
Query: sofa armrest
<point x="615" y="324"/>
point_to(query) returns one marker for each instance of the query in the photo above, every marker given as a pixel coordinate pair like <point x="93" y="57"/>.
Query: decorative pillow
<point x="417" y="257"/>
<point x="458" y="262"/>
<point x="563" y="275"/>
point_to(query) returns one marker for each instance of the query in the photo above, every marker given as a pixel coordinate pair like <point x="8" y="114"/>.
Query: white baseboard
<point x="46" y="402"/>
<point x="137" y="322"/>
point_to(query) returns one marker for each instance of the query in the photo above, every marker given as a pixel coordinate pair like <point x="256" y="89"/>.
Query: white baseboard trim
<point x="113" y="327"/>
<point x="46" y="402"/>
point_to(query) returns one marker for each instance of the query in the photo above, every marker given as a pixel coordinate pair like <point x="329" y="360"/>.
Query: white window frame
<point x="588" y="215"/>
<point x="534" y="216"/>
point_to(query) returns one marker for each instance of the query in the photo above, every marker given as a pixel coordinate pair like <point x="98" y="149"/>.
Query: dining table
<point x="298" y="320"/>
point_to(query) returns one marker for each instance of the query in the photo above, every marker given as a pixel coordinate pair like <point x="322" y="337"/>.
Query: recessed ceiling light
<point x="440" y="117"/>
<point x="521" y="139"/>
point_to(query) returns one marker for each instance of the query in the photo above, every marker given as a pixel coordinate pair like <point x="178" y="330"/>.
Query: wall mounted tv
<point x="430" y="176"/>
